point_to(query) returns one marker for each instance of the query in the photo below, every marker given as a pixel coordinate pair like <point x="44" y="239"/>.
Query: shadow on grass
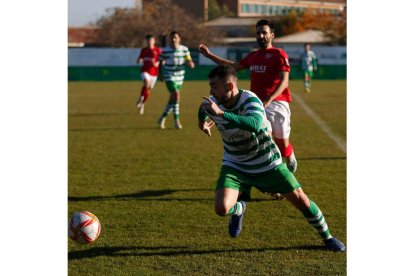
<point x="321" y="158"/>
<point x="148" y="251"/>
<point x="121" y="128"/>
<point x="101" y="114"/>
<point x="154" y="195"/>
<point x="142" y="195"/>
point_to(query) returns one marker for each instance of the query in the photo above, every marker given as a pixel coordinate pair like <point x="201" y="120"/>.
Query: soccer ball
<point x="84" y="227"/>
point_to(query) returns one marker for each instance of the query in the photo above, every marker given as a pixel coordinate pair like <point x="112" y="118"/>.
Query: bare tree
<point x="127" y="28"/>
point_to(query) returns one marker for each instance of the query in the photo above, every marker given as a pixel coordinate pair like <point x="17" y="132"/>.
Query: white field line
<point x="321" y="123"/>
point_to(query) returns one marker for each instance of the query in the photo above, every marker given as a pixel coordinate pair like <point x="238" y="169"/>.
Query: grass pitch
<point x="153" y="190"/>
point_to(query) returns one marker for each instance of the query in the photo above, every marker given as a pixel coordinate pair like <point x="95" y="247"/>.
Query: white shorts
<point x="151" y="79"/>
<point x="278" y="115"/>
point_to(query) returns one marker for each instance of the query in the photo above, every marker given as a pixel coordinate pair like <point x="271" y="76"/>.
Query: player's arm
<point x="160" y="75"/>
<point x="204" y="122"/>
<point x="139" y="58"/>
<point x="155" y="63"/>
<point x="251" y="121"/>
<point x="284" y="83"/>
<point x="189" y="61"/>
<point x="315" y="63"/>
<point x="203" y="49"/>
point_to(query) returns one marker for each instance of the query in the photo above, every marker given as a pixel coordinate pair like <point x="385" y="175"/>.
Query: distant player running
<point x="251" y="158"/>
<point x="308" y="65"/>
<point x="269" y="80"/>
<point x="149" y="72"/>
<point x="173" y="60"/>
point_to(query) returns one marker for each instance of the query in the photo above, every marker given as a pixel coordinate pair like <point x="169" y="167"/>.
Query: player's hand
<point x="206" y="126"/>
<point x="212" y="108"/>
<point x="204" y="50"/>
<point x="191" y="64"/>
<point x="266" y="102"/>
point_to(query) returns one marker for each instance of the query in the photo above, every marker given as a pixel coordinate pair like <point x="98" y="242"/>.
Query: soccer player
<point x="149" y="71"/>
<point x="173" y="60"/>
<point x="251" y="158"/>
<point x="308" y="65"/>
<point x="269" y="80"/>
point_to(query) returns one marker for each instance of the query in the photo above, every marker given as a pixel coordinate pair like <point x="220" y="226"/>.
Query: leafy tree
<point x="333" y="26"/>
<point x="215" y="10"/>
<point x="126" y="28"/>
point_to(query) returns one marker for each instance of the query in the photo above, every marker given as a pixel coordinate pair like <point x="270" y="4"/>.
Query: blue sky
<point x="82" y="12"/>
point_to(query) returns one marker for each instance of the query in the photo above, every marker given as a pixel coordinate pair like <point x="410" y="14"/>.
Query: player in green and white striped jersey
<point x="308" y="65"/>
<point x="173" y="59"/>
<point x="251" y="158"/>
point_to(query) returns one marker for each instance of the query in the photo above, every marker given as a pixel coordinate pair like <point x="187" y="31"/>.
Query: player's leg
<point x="175" y="98"/>
<point x="148" y="84"/>
<point x="226" y="203"/>
<point x="307" y="82"/>
<point x="278" y="114"/>
<point x="283" y="181"/>
<point x="314" y="216"/>
<point x="168" y="108"/>
<point x="145" y="90"/>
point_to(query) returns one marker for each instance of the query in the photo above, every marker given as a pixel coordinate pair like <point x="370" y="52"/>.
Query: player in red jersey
<point x="269" y="79"/>
<point x="149" y="72"/>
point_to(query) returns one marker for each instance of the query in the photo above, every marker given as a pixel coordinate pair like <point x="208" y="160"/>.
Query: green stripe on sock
<point x="236" y="209"/>
<point x="176" y="109"/>
<point x="317" y="220"/>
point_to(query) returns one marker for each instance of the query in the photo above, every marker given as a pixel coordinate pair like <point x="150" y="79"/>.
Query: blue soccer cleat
<point x="334" y="245"/>
<point x="235" y="223"/>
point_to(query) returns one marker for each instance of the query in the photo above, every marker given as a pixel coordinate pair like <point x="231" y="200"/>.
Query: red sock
<point x="284" y="151"/>
<point x="145" y="93"/>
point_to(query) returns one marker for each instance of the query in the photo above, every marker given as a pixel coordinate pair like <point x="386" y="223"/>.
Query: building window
<point x="262" y="9"/>
<point x="256" y="8"/>
<point x="267" y="10"/>
<point x="279" y="10"/>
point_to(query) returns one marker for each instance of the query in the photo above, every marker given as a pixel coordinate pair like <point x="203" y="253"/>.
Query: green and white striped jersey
<point x="175" y="59"/>
<point x="246" y="148"/>
<point x="308" y="60"/>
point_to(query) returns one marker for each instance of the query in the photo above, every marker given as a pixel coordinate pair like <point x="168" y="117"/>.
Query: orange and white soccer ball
<point x="84" y="227"/>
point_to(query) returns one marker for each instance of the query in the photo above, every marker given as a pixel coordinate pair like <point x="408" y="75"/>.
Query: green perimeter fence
<point x="114" y="73"/>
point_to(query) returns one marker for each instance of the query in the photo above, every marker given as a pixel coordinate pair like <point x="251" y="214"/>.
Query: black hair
<point x="174" y="32"/>
<point x="264" y="22"/>
<point x="148" y="36"/>
<point x="223" y="72"/>
<point x="306" y="44"/>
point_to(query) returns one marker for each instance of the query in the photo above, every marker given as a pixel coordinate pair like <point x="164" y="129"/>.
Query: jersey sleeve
<point x="162" y="55"/>
<point x="140" y="53"/>
<point x="159" y="52"/>
<point x="252" y="118"/>
<point x="283" y="62"/>
<point x="249" y="122"/>
<point x="314" y="60"/>
<point x="187" y="54"/>
<point x="245" y="62"/>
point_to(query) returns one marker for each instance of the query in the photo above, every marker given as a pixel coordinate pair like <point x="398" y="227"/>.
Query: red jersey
<point x="265" y="66"/>
<point x="149" y="55"/>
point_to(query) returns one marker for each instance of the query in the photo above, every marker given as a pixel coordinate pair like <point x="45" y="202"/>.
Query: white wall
<point x="127" y="56"/>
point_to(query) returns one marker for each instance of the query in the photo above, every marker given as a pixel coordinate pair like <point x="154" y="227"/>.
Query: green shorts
<point x="277" y="180"/>
<point x="308" y="72"/>
<point x="173" y="86"/>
